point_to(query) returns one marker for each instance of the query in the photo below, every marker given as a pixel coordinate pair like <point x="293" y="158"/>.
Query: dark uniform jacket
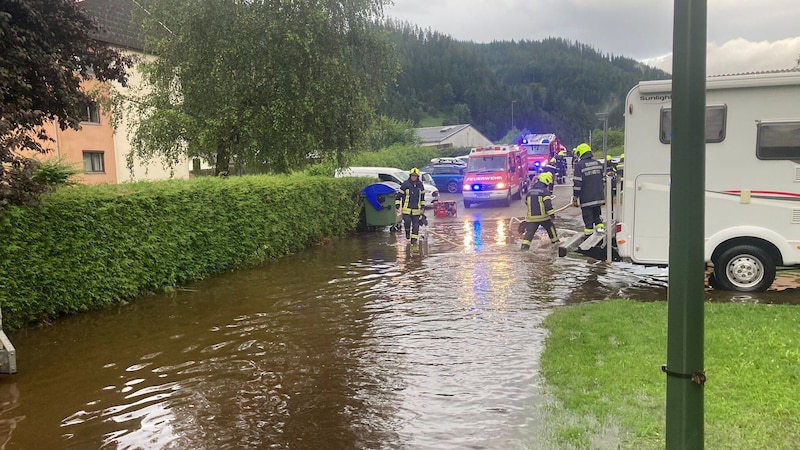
<point x="561" y="164"/>
<point x="550" y="166"/>
<point x="539" y="204"/>
<point x="588" y="181"/>
<point x="411" y="197"/>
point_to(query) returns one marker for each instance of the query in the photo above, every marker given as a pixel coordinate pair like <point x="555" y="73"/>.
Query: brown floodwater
<point x="359" y="344"/>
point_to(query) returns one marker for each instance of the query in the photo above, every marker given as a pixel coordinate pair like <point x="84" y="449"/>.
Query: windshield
<point x="402" y="176"/>
<point x="487" y="164"/>
<point x="542" y="149"/>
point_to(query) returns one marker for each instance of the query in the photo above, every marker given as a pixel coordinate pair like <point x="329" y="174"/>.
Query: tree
<point x="461" y="113"/>
<point x="47" y="51"/>
<point x="615" y="139"/>
<point x="262" y="82"/>
<point x="386" y="132"/>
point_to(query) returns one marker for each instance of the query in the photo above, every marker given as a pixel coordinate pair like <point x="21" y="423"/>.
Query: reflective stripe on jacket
<point x="411" y="197"/>
<point x="539" y="203"/>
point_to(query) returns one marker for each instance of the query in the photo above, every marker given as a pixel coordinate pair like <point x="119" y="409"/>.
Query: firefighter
<point x="574" y="157"/>
<point x="588" y="189"/>
<point x="621" y="170"/>
<point x="611" y="166"/>
<point x="611" y="171"/>
<point x="539" y="211"/>
<point x="561" y="166"/>
<point x="410" y="201"/>
<point x="550" y="167"/>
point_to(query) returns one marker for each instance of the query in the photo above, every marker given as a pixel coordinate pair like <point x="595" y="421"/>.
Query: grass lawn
<point x="602" y="365"/>
<point x="429" y="121"/>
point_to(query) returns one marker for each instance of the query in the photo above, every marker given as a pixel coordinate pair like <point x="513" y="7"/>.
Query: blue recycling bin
<point x="379" y="207"/>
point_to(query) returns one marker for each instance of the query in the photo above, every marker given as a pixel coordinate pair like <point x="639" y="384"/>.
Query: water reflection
<point x="365" y="343"/>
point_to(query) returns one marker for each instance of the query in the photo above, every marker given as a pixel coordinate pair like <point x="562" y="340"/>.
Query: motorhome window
<point x="778" y="140"/>
<point x="715" y="124"/>
<point x="487" y="164"/>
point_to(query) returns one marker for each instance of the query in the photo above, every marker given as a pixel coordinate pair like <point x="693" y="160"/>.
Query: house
<point x="451" y="136"/>
<point x="98" y="148"/>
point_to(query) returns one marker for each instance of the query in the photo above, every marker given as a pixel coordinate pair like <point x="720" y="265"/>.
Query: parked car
<point x="448" y="177"/>
<point x="392" y="174"/>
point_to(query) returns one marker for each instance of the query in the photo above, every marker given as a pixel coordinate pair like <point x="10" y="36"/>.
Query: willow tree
<point x="267" y="82"/>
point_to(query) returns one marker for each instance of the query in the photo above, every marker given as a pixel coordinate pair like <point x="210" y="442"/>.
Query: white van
<point x="392" y="174"/>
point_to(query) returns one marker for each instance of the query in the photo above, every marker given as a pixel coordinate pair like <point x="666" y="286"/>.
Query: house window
<point x="93" y="162"/>
<point x="90" y="114"/>
<point x="778" y="140"/>
<point x="715" y="124"/>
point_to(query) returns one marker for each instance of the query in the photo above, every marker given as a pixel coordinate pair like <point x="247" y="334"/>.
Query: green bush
<point x="55" y="173"/>
<point x="90" y="246"/>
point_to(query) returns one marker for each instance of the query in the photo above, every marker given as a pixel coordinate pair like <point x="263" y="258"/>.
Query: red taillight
<point x="619" y="228"/>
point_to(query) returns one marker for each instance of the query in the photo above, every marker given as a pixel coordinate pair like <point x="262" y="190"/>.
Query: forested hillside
<point x="555" y="85"/>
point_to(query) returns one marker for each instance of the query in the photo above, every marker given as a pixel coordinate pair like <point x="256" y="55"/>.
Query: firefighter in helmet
<point x="550" y="167"/>
<point x="588" y="189"/>
<point x="611" y="171"/>
<point x="410" y="200"/>
<point x="561" y="167"/>
<point x="539" y="211"/>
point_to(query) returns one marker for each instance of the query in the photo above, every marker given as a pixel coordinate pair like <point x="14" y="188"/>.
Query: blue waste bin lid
<point x="373" y="190"/>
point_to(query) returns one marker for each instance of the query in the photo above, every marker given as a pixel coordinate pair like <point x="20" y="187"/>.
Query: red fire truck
<point x="539" y="149"/>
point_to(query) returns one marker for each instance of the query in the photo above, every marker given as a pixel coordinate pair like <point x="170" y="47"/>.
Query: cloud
<point x="636" y="29"/>
<point x="740" y="55"/>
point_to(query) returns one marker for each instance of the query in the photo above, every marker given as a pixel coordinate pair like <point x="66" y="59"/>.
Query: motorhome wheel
<point x="744" y="268"/>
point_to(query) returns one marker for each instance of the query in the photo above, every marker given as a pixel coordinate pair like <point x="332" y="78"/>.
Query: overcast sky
<point x="743" y="35"/>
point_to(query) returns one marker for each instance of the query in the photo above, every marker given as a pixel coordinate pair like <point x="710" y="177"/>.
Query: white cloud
<point x="740" y="55"/>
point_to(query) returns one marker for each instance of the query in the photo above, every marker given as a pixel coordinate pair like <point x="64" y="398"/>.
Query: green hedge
<point x="90" y="246"/>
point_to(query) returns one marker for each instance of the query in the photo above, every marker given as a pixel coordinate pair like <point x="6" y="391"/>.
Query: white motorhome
<point x="752" y="185"/>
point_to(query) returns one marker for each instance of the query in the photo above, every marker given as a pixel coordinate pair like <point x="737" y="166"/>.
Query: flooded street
<point x="361" y="343"/>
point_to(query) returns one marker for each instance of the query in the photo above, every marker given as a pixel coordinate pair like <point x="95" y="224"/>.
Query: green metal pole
<point x="685" y="331"/>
